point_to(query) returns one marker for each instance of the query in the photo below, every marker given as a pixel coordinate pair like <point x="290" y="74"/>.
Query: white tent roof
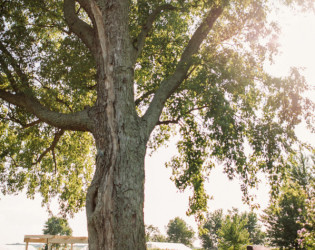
<point x="16" y="247"/>
<point x="167" y="245"/>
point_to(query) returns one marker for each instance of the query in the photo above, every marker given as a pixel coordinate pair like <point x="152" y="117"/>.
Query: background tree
<point x="57" y="226"/>
<point x="283" y="216"/>
<point x="256" y="235"/>
<point x="307" y="233"/>
<point x="179" y="232"/>
<point x="87" y="85"/>
<point x="209" y="231"/>
<point x="233" y="233"/>
<point x="214" y="222"/>
<point x="287" y="214"/>
<point x="153" y="234"/>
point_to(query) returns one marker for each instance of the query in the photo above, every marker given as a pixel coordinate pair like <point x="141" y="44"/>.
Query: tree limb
<point x="12" y="61"/>
<point x="169" y="85"/>
<point x="152" y="91"/>
<point x="78" y="121"/>
<point x="180" y="116"/>
<point x="51" y="148"/>
<point x="10" y="77"/>
<point x="75" y="121"/>
<point x="145" y="95"/>
<point x="148" y="26"/>
<point x="168" y="122"/>
<point x="58" y="99"/>
<point x="24" y="125"/>
<point x="84" y="31"/>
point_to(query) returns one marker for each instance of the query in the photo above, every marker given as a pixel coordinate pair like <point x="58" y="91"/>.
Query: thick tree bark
<point x="115" y="198"/>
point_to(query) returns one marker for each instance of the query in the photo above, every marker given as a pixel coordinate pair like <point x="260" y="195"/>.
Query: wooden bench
<point x="51" y="239"/>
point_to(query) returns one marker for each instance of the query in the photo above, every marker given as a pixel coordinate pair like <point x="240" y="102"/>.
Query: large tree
<point x="84" y="79"/>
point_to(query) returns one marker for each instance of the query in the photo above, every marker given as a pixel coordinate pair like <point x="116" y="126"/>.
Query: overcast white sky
<point x="20" y="216"/>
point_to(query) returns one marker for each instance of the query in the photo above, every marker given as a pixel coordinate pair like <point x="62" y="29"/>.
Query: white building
<point x="167" y="246"/>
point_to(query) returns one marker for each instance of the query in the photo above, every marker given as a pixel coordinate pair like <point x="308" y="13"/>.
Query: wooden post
<point x="26" y="246"/>
<point x="71" y="246"/>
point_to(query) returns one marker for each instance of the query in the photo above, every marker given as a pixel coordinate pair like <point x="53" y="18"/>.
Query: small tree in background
<point x="57" y="226"/>
<point x="233" y="233"/>
<point x="307" y="233"/>
<point x="209" y="231"/>
<point x="283" y="215"/>
<point x="179" y="232"/>
<point x="152" y="233"/>
<point x="289" y="216"/>
<point x="256" y="235"/>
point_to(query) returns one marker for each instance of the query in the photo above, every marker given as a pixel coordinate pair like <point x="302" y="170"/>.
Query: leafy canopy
<point x="57" y="226"/>
<point x="179" y="232"/>
<point x="291" y="212"/>
<point x="227" y="230"/>
<point x="225" y="102"/>
<point x="233" y="233"/>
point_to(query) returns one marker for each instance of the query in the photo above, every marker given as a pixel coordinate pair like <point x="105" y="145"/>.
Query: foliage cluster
<point x="234" y="230"/>
<point x="177" y="232"/>
<point x="290" y="216"/>
<point x="57" y="226"/>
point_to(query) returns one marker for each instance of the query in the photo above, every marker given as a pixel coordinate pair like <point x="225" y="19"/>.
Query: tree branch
<point x="51" y="148"/>
<point x="78" y="121"/>
<point x="168" y="122"/>
<point x="152" y="91"/>
<point x="10" y="77"/>
<point x="24" y="125"/>
<point x="145" y="95"/>
<point x="84" y="31"/>
<point x="180" y="116"/>
<point x="12" y="61"/>
<point x="148" y="26"/>
<point x="57" y="98"/>
<point x="169" y="85"/>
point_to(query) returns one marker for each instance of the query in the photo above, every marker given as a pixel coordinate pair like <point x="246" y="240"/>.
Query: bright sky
<point x="20" y="216"/>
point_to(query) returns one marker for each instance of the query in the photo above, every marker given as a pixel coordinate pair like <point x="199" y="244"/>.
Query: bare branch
<point x="54" y="158"/>
<point x="169" y="85"/>
<point x="84" y="31"/>
<point x="51" y="147"/>
<point x="148" y="26"/>
<point x="77" y="121"/>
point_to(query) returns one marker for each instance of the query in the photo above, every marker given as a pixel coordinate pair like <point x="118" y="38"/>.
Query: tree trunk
<point x="115" y="199"/>
<point x="116" y="196"/>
